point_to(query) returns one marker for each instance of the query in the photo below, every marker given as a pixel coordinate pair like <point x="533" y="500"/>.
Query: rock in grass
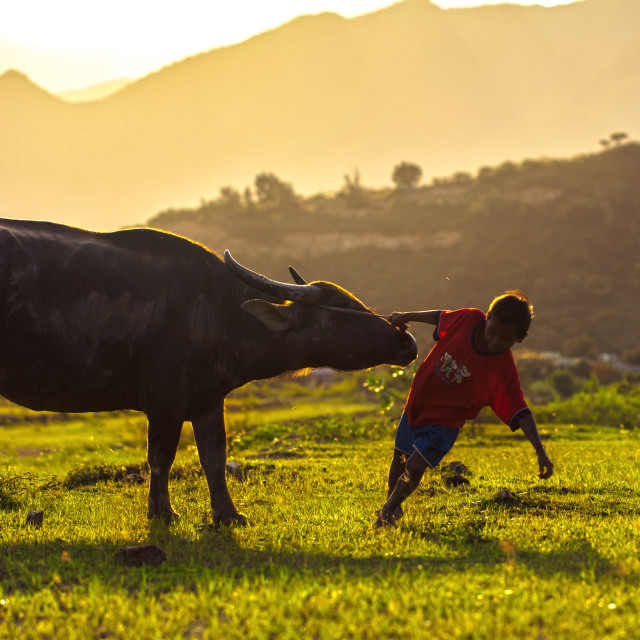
<point x="35" y="518"/>
<point x="242" y="472"/>
<point x="504" y="495"/>
<point x="459" y="468"/>
<point x="454" y="481"/>
<point x="234" y="468"/>
<point x="140" y="555"/>
<point x="133" y="478"/>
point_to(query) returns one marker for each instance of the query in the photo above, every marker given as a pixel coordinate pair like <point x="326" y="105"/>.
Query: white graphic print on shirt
<point x="450" y="371"/>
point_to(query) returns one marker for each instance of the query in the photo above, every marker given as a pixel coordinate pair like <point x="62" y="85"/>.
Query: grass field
<point x="545" y="560"/>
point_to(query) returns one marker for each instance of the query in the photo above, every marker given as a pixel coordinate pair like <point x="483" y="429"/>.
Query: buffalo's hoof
<point x="166" y="516"/>
<point x="232" y="520"/>
<point x="385" y="519"/>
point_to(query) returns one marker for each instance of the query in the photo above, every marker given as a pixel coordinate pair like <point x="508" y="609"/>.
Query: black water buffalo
<point x="146" y="320"/>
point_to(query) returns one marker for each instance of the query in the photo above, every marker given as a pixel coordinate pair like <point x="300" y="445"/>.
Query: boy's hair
<point x="513" y="307"/>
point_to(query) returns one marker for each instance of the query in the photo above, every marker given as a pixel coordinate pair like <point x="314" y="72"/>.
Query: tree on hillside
<point x="631" y="356"/>
<point x="273" y="193"/>
<point x="485" y="173"/>
<point x="230" y="200"/>
<point x="462" y="176"/>
<point x="564" y="383"/>
<point x="619" y="137"/>
<point x="248" y="199"/>
<point x="353" y="192"/>
<point x="580" y="346"/>
<point x="406" y="175"/>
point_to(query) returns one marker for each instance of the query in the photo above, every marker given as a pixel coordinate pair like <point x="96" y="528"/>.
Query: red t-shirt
<point x="457" y="378"/>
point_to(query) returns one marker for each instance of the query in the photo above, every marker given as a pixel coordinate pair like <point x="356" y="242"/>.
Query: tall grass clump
<point x="14" y="489"/>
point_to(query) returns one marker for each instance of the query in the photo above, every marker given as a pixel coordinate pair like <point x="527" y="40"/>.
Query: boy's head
<point x="512" y="308"/>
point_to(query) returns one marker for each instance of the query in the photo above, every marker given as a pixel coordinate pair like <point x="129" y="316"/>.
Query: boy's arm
<point x="529" y="428"/>
<point x="404" y="317"/>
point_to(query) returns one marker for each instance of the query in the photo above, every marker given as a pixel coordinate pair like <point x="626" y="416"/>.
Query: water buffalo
<point x="146" y="320"/>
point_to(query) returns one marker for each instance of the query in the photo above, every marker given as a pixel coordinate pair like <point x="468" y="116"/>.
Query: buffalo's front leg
<point x="162" y="444"/>
<point x="211" y="440"/>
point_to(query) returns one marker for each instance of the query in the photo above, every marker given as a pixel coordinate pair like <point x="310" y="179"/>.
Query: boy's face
<point x="500" y="337"/>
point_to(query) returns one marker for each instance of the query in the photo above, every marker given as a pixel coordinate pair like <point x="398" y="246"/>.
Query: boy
<point x="470" y="366"/>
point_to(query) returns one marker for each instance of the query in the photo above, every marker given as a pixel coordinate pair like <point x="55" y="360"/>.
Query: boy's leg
<point x="430" y="444"/>
<point x="396" y="469"/>
<point x="403" y="444"/>
<point x="405" y="485"/>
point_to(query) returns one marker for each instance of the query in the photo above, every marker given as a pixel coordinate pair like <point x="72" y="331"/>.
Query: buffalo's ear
<point x="277" y="317"/>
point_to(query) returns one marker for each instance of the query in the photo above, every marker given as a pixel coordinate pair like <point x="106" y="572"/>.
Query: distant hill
<point x="322" y="96"/>
<point x="564" y="231"/>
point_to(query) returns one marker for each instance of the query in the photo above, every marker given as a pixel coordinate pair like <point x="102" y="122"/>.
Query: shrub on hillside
<point x="608" y="406"/>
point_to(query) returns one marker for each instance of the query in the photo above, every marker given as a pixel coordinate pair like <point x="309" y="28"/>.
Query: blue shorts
<point x="432" y="442"/>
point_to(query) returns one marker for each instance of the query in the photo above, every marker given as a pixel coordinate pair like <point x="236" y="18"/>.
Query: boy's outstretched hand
<point x="397" y="318"/>
<point x="529" y="428"/>
<point x="546" y="466"/>
<point x="402" y="318"/>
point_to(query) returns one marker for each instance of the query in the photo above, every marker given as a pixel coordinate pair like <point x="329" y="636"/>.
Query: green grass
<point x="559" y="560"/>
<point x="56" y="447"/>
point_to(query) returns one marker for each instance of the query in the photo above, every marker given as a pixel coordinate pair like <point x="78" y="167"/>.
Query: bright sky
<point x="69" y="44"/>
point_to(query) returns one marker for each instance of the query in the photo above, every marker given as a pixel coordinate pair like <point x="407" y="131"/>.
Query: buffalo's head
<point x="326" y="324"/>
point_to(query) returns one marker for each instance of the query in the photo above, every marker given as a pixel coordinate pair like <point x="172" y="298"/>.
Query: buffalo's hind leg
<point x="162" y="445"/>
<point x="211" y="440"/>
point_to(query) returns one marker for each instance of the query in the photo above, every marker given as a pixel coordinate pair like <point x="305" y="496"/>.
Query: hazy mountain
<point x="322" y="96"/>
<point x="95" y="91"/>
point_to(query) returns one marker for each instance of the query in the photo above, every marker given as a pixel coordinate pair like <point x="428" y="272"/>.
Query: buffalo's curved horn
<point x="296" y="276"/>
<point x="299" y="292"/>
